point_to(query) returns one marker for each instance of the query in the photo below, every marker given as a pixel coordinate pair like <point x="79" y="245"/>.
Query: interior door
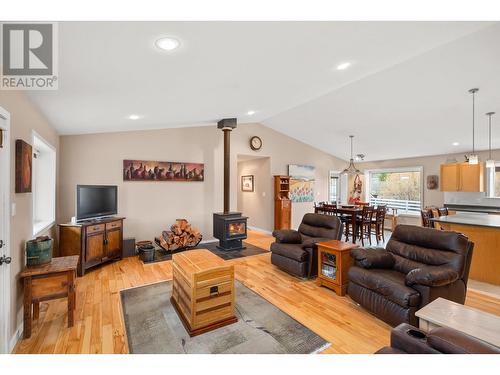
<point x="5" y="284"/>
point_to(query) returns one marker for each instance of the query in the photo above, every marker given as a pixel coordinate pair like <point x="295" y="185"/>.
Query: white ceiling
<point x="286" y="72"/>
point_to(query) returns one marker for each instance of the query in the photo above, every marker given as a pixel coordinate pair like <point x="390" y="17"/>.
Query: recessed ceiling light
<point x="343" y="66"/>
<point x="134" y="117"/>
<point x="456" y="144"/>
<point x="167" y="43"/>
<point x="251" y="112"/>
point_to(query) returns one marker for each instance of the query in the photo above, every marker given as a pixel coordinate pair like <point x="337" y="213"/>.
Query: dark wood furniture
<point x="443" y="211"/>
<point x="282" y="203"/>
<point x="334" y="261"/>
<point x="427" y="215"/>
<point x="203" y="291"/>
<point x="95" y="242"/>
<point x="49" y="281"/>
<point x="378" y="222"/>
<point x="349" y="219"/>
<point x="364" y="224"/>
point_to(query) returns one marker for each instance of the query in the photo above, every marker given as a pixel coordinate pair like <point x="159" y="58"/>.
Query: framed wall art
<point x="247" y="183"/>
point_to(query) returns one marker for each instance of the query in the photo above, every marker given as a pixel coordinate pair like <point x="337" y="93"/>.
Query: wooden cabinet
<point x="282" y="203"/>
<point x="462" y="177"/>
<point x="334" y="261"/>
<point x="95" y="242"/>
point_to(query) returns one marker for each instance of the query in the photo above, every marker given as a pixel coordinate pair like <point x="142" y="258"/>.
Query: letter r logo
<point x="27" y="49"/>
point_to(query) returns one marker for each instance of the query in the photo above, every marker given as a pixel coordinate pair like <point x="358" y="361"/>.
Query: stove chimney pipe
<point x="227" y="125"/>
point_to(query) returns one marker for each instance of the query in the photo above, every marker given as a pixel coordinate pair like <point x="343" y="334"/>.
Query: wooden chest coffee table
<point x="203" y="291"/>
<point x="334" y="261"/>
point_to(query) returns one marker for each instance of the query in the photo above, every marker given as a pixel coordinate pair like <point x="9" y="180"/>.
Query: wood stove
<point x="230" y="228"/>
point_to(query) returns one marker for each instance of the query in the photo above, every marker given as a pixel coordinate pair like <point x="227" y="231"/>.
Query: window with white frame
<point x="44" y="184"/>
<point x="400" y="188"/>
<point x="494" y="181"/>
<point x="334" y="187"/>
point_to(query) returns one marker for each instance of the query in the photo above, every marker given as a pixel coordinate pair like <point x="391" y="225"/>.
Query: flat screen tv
<point x="95" y="201"/>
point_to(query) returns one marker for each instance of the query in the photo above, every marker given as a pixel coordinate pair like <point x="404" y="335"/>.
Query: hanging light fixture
<point x="473" y="158"/>
<point x="490" y="163"/>
<point x="351" y="168"/>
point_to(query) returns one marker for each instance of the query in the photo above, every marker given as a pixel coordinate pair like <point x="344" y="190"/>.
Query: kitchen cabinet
<point x="463" y="177"/>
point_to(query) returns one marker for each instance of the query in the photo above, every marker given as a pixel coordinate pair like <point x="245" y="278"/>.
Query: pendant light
<point x="490" y="163"/>
<point x="351" y="169"/>
<point x="473" y="158"/>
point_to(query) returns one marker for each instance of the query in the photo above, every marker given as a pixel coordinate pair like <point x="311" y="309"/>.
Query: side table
<point x="49" y="281"/>
<point x="334" y="261"/>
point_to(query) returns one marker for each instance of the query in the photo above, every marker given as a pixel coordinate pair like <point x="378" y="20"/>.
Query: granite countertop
<point x="480" y="220"/>
<point x="472" y="208"/>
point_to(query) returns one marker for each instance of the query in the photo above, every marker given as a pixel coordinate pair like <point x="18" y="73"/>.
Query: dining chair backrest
<point x="427" y="215"/>
<point x="443" y="211"/>
<point x="367" y="214"/>
<point x="380" y="212"/>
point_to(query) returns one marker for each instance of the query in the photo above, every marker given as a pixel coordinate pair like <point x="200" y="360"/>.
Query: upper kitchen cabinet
<point x="463" y="177"/>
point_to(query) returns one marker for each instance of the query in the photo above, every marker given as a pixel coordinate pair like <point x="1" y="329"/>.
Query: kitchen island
<point x="484" y="231"/>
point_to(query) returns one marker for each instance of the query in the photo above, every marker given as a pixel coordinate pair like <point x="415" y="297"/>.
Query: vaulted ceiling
<point x="405" y="93"/>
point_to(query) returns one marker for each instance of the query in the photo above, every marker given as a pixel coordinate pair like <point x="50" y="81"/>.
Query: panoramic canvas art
<point x="301" y="183"/>
<point x="142" y="170"/>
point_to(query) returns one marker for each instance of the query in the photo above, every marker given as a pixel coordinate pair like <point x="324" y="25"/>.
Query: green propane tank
<point x="39" y="251"/>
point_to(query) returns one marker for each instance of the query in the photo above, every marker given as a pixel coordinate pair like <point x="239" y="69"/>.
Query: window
<point x="494" y="181"/>
<point x="400" y="188"/>
<point x="334" y="187"/>
<point x="43" y="185"/>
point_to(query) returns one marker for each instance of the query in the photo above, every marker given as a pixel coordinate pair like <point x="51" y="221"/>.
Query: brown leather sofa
<point x="417" y="266"/>
<point x="296" y="252"/>
<point x="406" y="339"/>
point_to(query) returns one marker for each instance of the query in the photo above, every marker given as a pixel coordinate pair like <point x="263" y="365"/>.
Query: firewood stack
<point x="180" y="235"/>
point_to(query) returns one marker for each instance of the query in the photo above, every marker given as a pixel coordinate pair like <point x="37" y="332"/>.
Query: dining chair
<point x="443" y="211"/>
<point x="427" y="215"/>
<point x="364" y="224"/>
<point x="378" y="222"/>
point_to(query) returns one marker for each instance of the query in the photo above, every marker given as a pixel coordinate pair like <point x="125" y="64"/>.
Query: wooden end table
<point x="49" y="281"/>
<point x="334" y="261"/>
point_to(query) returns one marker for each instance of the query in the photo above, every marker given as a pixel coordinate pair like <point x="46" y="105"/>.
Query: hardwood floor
<point x="99" y="325"/>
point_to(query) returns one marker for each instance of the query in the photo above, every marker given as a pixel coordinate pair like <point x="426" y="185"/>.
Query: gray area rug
<point x="153" y="326"/>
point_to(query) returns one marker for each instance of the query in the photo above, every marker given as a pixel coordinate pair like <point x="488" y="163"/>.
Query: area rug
<point x="162" y="255"/>
<point x="152" y="326"/>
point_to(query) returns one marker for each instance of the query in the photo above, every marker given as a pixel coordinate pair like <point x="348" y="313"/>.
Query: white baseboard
<point x="259" y="230"/>
<point x="15" y="338"/>
<point x="209" y="241"/>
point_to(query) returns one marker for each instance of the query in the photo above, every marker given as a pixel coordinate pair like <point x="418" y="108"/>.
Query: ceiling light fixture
<point x="134" y="117"/>
<point x="251" y="112"/>
<point x="490" y="163"/>
<point x="455" y="144"/>
<point x="167" y="43"/>
<point x="343" y="66"/>
<point x="351" y="168"/>
<point x="473" y="157"/>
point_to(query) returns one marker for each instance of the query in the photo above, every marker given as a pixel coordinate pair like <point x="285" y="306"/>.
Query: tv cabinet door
<point x="113" y="243"/>
<point x="94" y="249"/>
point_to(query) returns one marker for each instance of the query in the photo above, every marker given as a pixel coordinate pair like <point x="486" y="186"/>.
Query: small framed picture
<point x="247" y="183"/>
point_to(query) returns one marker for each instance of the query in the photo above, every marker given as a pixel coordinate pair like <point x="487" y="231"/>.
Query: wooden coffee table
<point x="334" y="261"/>
<point x="203" y="291"/>
<point x="444" y="313"/>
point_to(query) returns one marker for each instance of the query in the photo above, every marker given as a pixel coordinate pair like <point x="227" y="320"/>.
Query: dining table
<point x="348" y="210"/>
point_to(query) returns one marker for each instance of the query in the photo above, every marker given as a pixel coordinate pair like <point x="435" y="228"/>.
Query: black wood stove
<point x="230" y="228"/>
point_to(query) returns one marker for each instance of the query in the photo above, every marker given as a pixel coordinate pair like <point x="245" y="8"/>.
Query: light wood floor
<point x="99" y="326"/>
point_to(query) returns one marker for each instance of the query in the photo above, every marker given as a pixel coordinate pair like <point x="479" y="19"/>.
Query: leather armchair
<point x="295" y="251"/>
<point x="406" y="339"/>
<point x="417" y="266"/>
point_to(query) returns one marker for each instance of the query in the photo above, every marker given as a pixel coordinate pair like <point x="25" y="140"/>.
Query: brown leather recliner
<point x="406" y="339"/>
<point x="296" y="252"/>
<point x="418" y="265"/>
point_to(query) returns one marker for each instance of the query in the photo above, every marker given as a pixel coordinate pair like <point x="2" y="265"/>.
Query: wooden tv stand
<point x="96" y="242"/>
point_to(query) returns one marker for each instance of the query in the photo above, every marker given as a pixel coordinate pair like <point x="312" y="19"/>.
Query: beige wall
<point x="151" y="207"/>
<point x="259" y="204"/>
<point x="431" y="166"/>
<point x="24" y="119"/>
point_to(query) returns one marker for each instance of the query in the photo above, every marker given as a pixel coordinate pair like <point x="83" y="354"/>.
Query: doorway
<point x="4" y="230"/>
<point x="255" y="191"/>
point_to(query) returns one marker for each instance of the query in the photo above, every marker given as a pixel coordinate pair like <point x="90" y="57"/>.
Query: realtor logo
<point x="29" y="56"/>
